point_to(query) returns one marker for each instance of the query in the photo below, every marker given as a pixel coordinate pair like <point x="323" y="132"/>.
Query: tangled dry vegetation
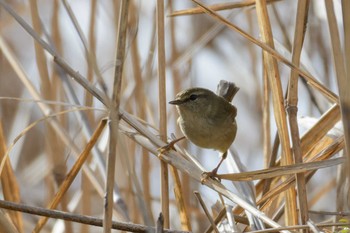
<point x="83" y="96"/>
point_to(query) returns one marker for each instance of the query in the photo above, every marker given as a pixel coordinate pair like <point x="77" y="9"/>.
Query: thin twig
<point x="205" y="209"/>
<point x="130" y="227"/>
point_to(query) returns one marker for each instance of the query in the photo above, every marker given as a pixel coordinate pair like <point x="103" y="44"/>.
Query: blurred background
<point x="200" y="51"/>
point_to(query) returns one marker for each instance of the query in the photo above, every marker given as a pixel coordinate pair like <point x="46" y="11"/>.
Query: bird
<point x="207" y="120"/>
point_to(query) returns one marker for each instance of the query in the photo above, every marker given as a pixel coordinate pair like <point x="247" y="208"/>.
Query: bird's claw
<point x="209" y="175"/>
<point x="169" y="146"/>
<point x="166" y="148"/>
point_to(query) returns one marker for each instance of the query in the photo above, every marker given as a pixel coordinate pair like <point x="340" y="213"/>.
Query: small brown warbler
<point x="207" y="120"/>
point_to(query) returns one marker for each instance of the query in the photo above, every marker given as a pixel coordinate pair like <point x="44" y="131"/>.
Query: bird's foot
<point x="169" y="146"/>
<point x="212" y="175"/>
<point x="166" y="148"/>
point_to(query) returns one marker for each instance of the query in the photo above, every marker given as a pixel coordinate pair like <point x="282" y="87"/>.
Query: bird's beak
<point x="176" y="102"/>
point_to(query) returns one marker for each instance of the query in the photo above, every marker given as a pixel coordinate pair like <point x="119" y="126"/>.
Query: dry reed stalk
<point x="346" y="22"/>
<point x="182" y="192"/>
<point x="343" y="81"/>
<point x="92" y="49"/>
<point x="10" y="186"/>
<point x="272" y="71"/>
<point x="163" y="128"/>
<point x="292" y="108"/>
<point x="114" y="114"/>
<point x="164" y="174"/>
<point x="346" y="96"/>
<point x="266" y="121"/>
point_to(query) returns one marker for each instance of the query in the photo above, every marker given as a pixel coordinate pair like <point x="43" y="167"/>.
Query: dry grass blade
<point x="10" y="187"/>
<point x="32" y="125"/>
<point x="72" y="174"/>
<point x="281" y="170"/>
<point x="320" y="129"/>
<point x="218" y="7"/>
<point x="5" y="224"/>
<point x="205" y="209"/>
<point x="268" y="157"/>
<point x="331" y="149"/>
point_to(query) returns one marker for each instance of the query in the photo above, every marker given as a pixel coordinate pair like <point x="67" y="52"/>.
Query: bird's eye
<point x="193" y="97"/>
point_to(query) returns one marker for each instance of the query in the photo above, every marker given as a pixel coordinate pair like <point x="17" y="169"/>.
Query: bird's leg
<point x="214" y="172"/>
<point x="169" y="146"/>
